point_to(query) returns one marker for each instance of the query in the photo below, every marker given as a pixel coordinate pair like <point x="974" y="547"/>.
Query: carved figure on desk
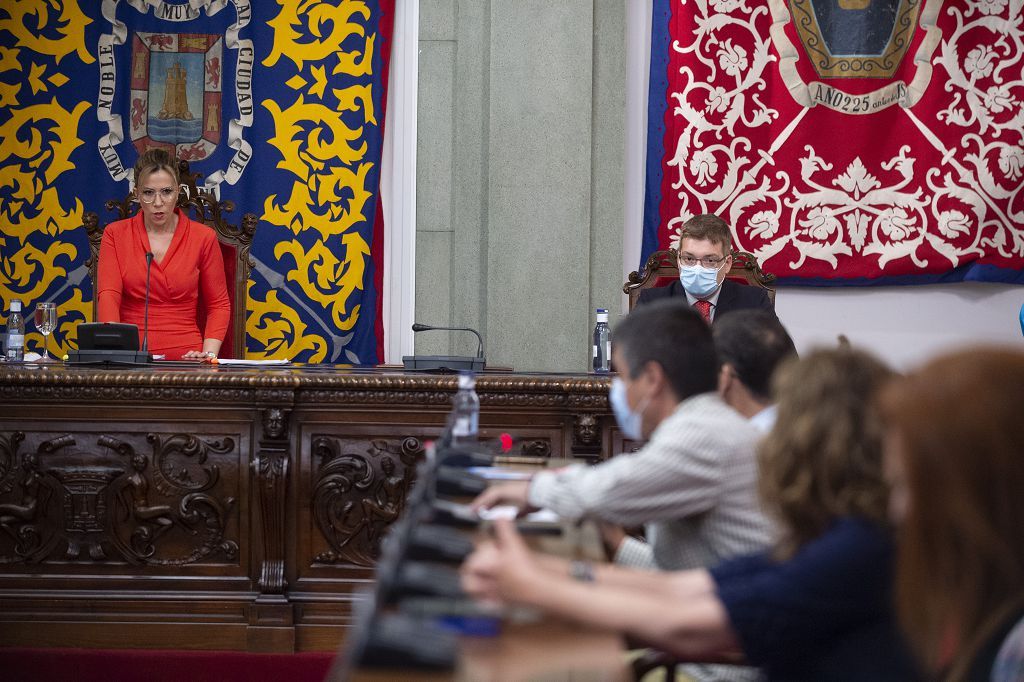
<point x="19" y="520"/>
<point x="386" y="504"/>
<point x="152" y="521"/>
<point x="274" y="422"/>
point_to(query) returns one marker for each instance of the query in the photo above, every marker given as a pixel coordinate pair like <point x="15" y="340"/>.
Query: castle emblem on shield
<point x="176" y="93"/>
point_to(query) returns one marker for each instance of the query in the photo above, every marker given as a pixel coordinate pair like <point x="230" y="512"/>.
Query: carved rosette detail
<point x="359" y="490"/>
<point x="99" y="503"/>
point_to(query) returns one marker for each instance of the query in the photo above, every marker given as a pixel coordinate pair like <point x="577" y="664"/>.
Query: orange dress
<point x="192" y="267"/>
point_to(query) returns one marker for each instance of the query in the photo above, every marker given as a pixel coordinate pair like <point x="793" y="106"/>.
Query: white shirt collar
<point x="764" y="420"/>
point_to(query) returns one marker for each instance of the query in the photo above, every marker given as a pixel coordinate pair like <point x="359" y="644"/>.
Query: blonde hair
<point x="823" y="459"/>
<point x="154" y="160"/>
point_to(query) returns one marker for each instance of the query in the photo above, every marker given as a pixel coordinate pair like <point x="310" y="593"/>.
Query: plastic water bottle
<point x="602" y="343"/>
<point x="465" y="418"/>
<point x="15" y="341"/>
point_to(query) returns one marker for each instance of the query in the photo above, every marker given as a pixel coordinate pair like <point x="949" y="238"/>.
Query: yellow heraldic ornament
<point x="70" y="24"/>
<point x="279" y="332"/>
<point x="335" y="280"/>
<point x="297" y="14"/>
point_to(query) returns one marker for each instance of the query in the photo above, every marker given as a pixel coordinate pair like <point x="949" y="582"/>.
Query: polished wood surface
<point x="230" y="508"/>
<point x="547" y="650"/>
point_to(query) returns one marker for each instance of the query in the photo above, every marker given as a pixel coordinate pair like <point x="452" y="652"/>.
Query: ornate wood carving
<point x="270" y="467"/>
<point x="586" y="434"/>
<point x="92" y="504"/>
<point x="99" y="506"/>
<point x="359" y="490"/>
<point x="9" y="458"/>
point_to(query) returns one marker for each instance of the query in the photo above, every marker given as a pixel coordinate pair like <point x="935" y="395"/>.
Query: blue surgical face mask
<point x="698" y="280"/>
<point x="629" y="421"/>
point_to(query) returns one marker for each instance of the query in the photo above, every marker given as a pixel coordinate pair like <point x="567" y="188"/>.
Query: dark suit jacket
<point x="734" y="296"/>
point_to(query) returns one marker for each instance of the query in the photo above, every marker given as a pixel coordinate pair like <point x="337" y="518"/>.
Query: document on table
<point x="251" y="363"/>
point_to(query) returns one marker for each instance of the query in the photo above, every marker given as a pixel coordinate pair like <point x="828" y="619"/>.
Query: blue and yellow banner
<point x="279" y="105"/>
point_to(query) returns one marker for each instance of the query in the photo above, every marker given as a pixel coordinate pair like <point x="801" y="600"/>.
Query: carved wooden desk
<point x="216" y="508"/>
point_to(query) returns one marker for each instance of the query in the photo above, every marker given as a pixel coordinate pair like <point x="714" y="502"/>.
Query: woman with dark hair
<point x="182" y="259"/>
<point x="815" y="607"/>
<point x="955" y="458"/>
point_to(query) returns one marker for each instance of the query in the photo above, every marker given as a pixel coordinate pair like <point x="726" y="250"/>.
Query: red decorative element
<point x="901" y="159"/>
<point x="161" y="41"/>
<point x="704" y="308"/>
<point x="506" y="442"/>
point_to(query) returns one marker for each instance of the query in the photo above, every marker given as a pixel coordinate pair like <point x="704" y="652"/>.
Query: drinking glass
<point x="46" y="322"/>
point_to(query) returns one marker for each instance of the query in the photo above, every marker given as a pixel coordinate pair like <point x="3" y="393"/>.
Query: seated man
<point x="750" y="345"/>
<point x="705" y="256"/>
<point x="694" y="483"/>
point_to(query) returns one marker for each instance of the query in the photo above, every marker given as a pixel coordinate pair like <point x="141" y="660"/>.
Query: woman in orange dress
<point x="186" y="264"/>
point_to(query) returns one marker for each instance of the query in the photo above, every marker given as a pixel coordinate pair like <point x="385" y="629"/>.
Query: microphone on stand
<point x="145" y="318"/>
<point x="447" y="362"/>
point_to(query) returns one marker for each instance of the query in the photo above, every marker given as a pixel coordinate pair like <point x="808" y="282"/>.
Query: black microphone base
<point x="109" y="357"/>
<point x="443" y="362"/>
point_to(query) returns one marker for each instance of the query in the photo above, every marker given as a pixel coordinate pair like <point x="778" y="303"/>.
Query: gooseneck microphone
<point x="417" y="327"/>
<point x="145" y="317"/>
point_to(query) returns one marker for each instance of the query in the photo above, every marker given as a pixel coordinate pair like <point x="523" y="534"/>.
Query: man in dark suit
<point x="705" y="246"/>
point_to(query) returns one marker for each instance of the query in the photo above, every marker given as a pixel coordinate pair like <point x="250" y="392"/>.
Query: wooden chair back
<point x="235" y="241"/>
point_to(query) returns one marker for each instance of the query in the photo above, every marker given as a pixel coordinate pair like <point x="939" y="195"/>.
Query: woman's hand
<point x="200" y="355"/>
<point x="503" y="570"/>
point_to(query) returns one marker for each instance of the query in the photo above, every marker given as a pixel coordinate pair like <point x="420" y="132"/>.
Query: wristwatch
<point x="210" y="354"/>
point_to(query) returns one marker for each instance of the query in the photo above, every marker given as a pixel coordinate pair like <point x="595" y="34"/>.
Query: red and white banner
<point x="845" y="141"/>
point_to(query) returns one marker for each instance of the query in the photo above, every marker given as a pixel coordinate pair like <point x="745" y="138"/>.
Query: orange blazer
<point x="192" y="266"/>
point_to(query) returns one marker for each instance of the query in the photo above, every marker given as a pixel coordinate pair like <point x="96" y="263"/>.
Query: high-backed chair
<point x="235" y="242"/>
<point x="662" y="268"/>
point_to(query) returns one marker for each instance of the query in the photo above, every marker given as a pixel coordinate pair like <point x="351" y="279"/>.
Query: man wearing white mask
<point x="693" y="485"/>
<point x="705" y="256"/>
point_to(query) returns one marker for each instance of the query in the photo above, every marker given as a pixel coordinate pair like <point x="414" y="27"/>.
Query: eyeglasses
<point x="148" y="196"/>
<point x="707" y="261"/>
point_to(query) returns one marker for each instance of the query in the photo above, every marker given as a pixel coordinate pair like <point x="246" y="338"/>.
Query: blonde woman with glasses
<point x="178" y="258"/>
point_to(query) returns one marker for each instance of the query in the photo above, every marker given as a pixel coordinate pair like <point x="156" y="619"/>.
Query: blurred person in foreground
<point x="751" y="345"/>
<point x="817" y="606"/>
<point x="693" y="483"/>
<point x="955" y="458"/>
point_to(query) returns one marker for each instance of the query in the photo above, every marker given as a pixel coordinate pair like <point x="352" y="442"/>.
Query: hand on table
<point x="513" y="493"/>
<point x="200" y="355"/>
<point x="502" y="570"/>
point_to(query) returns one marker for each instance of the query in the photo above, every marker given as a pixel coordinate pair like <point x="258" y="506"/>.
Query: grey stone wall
<point x="520" y="176"/>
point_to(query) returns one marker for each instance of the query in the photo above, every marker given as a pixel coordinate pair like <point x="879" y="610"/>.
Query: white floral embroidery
<point x="857" y="228"/>
<point x="704" y="166"/>
<point x="718" y="100"/>
<point x="990" y="7"/>
<point x="980" y="61"/>
<point x="896" y="224"/>
<point x="726" y="5"/>
<point x="763" y="224"/>
<point x="953" y="223"/>
<point x="820" y="224"/>
<point x="1011" y="162"/>
<point x="733" y="59"/>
